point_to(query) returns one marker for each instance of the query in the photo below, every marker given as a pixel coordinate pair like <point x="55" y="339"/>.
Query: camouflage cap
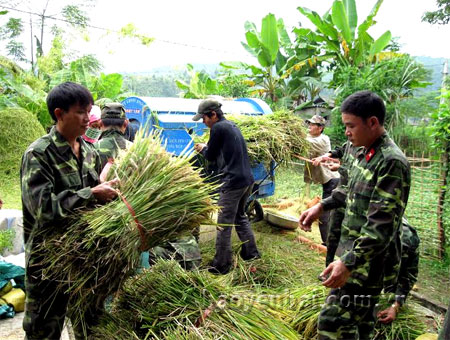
<point x="113" y="111"/>
<point x="206" y="106"/>
<point x="316" y="119"/>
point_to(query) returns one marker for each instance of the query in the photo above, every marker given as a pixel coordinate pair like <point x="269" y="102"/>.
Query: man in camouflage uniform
<point x="346" y="154"/>
<point x="112" y="139"/>
<point x="400" y="282"/>
<point x="376" y="196"/>
<point x="59" y="174"/>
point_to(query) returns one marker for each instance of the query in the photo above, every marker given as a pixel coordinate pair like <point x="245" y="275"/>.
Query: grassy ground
<point x="10" y="191"/>
<point x="284" y="263"/>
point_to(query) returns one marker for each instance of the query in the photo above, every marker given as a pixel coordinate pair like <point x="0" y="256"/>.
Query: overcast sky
<point x="210" y="31"/>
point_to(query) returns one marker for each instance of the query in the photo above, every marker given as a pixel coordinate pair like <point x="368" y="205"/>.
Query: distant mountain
<point x="175" y="70"/>
<point x="168" y="74"/>
<point x="436" y="66"/>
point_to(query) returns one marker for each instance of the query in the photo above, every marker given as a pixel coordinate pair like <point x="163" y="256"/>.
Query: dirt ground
<point x="11" y="329"/>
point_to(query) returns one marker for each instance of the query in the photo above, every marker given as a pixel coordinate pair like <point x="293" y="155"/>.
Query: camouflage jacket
<point x="400" y="281"/>
<point x="55" y="183"/>
<point x="109" y="145"/>
<point x="376" y="197"/>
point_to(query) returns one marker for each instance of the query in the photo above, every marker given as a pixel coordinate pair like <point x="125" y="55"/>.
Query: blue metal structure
<point x="173" y="116"/>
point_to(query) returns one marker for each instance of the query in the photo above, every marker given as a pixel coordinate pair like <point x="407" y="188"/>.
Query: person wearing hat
<point x="95" y="124"/>
<point x="227" y="147"/>
<point x="112" y="138"/>
<point x="320" y="145"/>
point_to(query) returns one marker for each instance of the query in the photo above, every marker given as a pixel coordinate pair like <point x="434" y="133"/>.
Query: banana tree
<point x="19" y="88"/>
<point x="200" y="85"/>
<point x="337" y="36"/>
<point x="269" y="47"/>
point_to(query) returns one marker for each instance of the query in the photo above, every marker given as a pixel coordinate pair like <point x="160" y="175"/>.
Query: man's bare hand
<point x="316" y="161"/>
<point x="105" y="192"/>
<point x="105" y="171"/>
<point x="336" y="273"/>
<point x="199" y="147"/>
<point x="309" y="216"/>
<point x="331" y="163"/>
<point x="388" y="315"/>
<point x="333" y="166"/>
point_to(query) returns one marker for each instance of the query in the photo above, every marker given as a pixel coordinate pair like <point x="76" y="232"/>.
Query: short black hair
<point x="365" y="104"/>
<point x="218" y="112"/>
<point x="67" y="94"/>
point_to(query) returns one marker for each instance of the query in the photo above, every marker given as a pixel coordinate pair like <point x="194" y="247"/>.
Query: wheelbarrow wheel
<point x="254" y="211"/>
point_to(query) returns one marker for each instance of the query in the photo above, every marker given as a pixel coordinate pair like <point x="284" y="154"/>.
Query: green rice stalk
<point x="273" y="137"/>
<point x="304" y="305"/>
<point x="102" y="246"/>
<point x="167" y="301"/>
<point x="283" y="263"/>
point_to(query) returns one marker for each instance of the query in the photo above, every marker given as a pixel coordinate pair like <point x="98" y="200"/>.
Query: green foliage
<point x="79" y="71"/>
<point x="338" y="38"/>
<point x="6" y="240"/>
<point x="440" y="16"/>
<point x="231" y="83"/>
<point x="53" y="62"/>
<point x="393" y="78"/>
<point x="10" y="31"/>
<point x="75" y="16"/>
<point x="21" y="89"/>
<point x="201" y="84"/>
<point x="271" y="46"/>
<point x="14" y="29"/>
<point x="414" y="139"/>
<point x="108" y="86"/>
<point x="10" y="189"/>
<point x="85" y="71"/>
<point x="16" y="50"/>
<point x="19" y="129"/>
<point x="153" y="85"/>
<point x="130" y="31"/>
<point x="441" y="123"/>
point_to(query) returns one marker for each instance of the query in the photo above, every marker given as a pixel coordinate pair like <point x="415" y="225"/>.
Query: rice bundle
<point x="305" y="304"/>
<point x="167" y="302"/>
<point x="272" y="137"/>
<point x="162" y="197"/>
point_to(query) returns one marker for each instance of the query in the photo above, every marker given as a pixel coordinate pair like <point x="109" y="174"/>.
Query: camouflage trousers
<point x="334" y="234"/>
<point x="347" y="316"/>
<point x="324" y="219"/>
<point x="45" y="312"/>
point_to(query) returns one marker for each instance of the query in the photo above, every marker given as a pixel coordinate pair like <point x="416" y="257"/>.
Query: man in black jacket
<point x="227" y="147"/>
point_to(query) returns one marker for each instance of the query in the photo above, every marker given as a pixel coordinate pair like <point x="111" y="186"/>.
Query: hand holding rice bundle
<point x="160" y="197"/>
